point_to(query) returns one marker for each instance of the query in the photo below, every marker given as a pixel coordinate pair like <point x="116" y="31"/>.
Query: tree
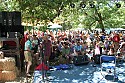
<point x="42" y="9"/>
<point x="103" y="14"/>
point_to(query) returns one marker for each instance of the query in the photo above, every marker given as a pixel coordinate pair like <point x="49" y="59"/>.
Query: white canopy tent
<point x="54" y="26"/>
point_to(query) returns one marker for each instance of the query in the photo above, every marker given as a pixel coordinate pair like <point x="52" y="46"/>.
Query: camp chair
<point x="108" y="64"/>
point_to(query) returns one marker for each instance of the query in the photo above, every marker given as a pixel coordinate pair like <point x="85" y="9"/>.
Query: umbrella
<point x="55" y="26"/>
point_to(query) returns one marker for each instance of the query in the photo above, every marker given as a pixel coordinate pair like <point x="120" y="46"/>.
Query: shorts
<point x="28" y="56"/>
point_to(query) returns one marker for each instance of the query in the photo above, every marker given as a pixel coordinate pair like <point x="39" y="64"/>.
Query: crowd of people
<point x="67" y="44"/>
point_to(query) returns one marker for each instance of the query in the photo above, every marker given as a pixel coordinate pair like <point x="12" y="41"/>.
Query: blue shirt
<point x="78" y="48"/>
<point x="28" y="44"/>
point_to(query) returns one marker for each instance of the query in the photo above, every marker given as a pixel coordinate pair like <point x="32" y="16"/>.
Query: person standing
<point x="47" y="47"/>
<point x="28" y="55"/>
<point x="35" y="44"/>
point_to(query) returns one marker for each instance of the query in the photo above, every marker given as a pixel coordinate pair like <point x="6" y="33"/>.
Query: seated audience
<point x="66" y="52"/>
<point x="78" y="48"/>
<point x="111" y="52"/>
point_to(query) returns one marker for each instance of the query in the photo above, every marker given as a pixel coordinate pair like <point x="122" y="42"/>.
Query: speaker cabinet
<point x="0" y="18"/>
<point x="80" y="60"/>
<point x="10" y="18"/>
<point x="8" y="29"/>
<point x="3" y="18"/>
<point x="16" y="18"/>
<point x="0" y="32"/>
<point x="3" y="34"/>
<point x="13" y="34"/>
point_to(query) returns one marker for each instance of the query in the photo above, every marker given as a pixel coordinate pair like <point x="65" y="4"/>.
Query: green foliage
<point x="105" y="14"/>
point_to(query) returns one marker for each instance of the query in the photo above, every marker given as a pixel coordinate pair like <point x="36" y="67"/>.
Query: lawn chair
<point x="108" y="64"/>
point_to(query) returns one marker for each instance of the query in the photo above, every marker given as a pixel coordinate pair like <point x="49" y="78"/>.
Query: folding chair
<point x="108" y="64"/>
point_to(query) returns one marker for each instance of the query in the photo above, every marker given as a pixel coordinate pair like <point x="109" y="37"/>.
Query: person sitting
<point x="111" y="52"/>
<point x="97" y="49"/>
<point x="47" y="48"/>
<point x="66" y="52"/>
<point x="121" y="53"/>
<point x="78" y="51"/>
<point x="78" y="48"/>
<point x="55" y="51"/>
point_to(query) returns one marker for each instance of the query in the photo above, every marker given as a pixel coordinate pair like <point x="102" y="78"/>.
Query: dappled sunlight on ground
<point x="77" y="74"/>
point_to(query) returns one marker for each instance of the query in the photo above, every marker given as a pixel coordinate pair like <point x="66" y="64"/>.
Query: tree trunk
<point x="59" y="11"/>
<point x="100" y="21"/>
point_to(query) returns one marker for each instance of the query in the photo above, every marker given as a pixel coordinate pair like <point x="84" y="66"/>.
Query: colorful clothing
<point x="78" y="48"/>
<point x="28" y="44"/>
<point x="65" y="51"/>
<point x="27" y="53"/>
<point x="28" y="56"/>
<point x="47" y="48"/>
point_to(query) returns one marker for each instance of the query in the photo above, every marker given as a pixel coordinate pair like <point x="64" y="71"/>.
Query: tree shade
<point x="97" y="14"/>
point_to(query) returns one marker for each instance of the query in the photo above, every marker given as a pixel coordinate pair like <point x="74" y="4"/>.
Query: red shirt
<point x="116" y="38"/>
